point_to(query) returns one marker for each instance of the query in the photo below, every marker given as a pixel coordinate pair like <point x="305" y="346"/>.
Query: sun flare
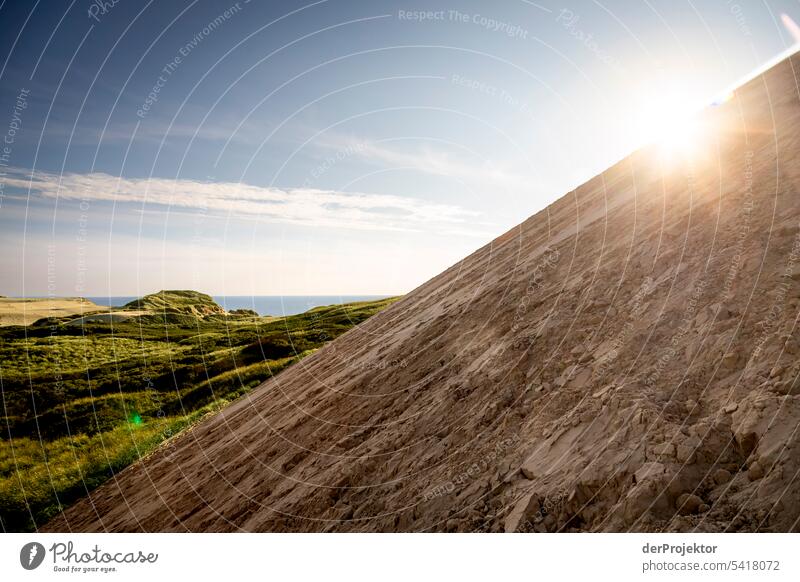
<point x="679" y="136"/>
<point x="670" y="121"/>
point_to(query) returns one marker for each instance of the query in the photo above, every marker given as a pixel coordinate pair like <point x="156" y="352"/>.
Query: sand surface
<point x="17" y="311"/>
<point x="626" y="359"/>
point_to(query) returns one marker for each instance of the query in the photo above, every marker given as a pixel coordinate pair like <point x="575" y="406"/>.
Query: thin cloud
<point x="300" y="206"/>
<point x="432" y="161"/>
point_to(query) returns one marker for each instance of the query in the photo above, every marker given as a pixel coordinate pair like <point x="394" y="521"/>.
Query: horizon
<point x="435" y="146"/>
<point x="212" y="295"/>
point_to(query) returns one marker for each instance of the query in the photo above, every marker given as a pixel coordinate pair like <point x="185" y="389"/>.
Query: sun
<point x="670" y="121"/>
<point x="679" y="135"/>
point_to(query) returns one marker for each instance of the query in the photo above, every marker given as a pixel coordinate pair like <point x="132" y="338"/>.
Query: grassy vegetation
<point x="80" y="402"/>
<point x="187" y="302"/>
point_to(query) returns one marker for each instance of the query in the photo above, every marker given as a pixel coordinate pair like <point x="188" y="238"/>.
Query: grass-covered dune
<point x="182" y="302"/>
<point x="83" y="398"/>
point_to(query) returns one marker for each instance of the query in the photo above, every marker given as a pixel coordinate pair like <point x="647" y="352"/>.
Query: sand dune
<point x="19" y="311"/>
<point x="626" y="359"/>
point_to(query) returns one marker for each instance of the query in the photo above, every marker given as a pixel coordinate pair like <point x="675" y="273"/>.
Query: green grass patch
<point x="83" y="402"/>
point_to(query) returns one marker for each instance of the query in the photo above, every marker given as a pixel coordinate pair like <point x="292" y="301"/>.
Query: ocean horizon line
<point x="272" y="305"/>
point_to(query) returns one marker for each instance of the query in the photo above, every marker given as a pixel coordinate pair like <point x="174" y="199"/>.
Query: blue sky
<point x="331" y="147"/>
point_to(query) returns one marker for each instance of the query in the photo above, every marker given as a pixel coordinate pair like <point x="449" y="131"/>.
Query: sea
<point x="275" y="305"/>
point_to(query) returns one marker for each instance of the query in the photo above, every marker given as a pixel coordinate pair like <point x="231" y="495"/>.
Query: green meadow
<point x="84" y="398"/>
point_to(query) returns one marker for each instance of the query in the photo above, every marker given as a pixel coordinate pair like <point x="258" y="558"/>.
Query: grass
<point x="81" y="402"/>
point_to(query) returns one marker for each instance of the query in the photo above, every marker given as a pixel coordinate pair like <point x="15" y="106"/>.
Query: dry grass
<point x="18" y="311"/>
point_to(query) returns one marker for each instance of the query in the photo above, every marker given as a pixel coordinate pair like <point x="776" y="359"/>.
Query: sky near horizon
<point x="326" y="147"/>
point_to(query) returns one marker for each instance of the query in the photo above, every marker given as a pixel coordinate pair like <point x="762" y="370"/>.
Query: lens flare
<point x="669" y="120"/>
<point x="681" y="136"/>
<point x="791" y="26"/>
<point x="724" y="98"/>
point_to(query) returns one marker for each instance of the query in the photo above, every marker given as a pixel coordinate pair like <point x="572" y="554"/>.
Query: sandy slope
<point x="623" y="360"/>
<point x="16" y="311"/>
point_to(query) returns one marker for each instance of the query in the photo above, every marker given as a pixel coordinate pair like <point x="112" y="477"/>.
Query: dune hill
<point x="625" y="359"/>
<point x="25" y="311"/>
<point x="177" y="301"/>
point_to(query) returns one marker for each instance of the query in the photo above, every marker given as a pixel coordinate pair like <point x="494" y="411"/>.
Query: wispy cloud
<point x="300" y="206"/>
<point x="433" y="161"/>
